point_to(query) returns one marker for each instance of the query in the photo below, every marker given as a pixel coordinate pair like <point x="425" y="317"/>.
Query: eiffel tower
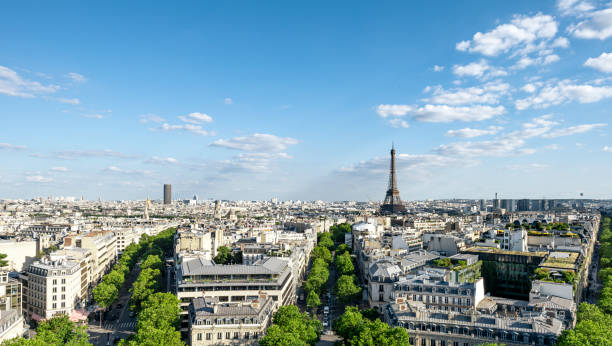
<point x="392" y="204"/>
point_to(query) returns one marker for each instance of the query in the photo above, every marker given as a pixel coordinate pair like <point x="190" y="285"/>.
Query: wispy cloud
<point x="151" y="118"/>
<point x="555" y="93"/>
<point x="73" y="101"/>
<point x="257" y="142"/>
<point x="76" y="154"/>
<point x="471" y="133"/>
<point x="572" y="130"/>
<point x="59" y="169"/>
<point x="93" y="116"/>
<point x="162" y="160"/>
<point x="228" y="101"/>
<point x="191" y="128"/>
<point x="598" y="25"/>
<point x="8" y="146"/>
<point x="76" y="77"/>
<point x="115" y="169"/>
<point x="38" y="179"/>
<point x="196" y="118"/>
<point x="13" y="84"/>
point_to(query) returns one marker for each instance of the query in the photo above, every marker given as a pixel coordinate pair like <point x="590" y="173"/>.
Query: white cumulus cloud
<point x="257" y="142"/>
<point x="196" y="118"/>
<point x="602" y="63"/>
<point x="471" y="133"/>
<point x="12" y="84"/>
<point x="598" y="25"/>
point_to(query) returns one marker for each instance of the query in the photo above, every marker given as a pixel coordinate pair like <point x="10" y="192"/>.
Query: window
<point x="55" y="305"/>
<point x="63" y="304"/>
<point x="63" y="297"/>
<point x="199" y="336"/>
<point x="246" y="335"/>
<point x="208" y="336"/>
<point x="63" y="281"/>
<point x="219" y="336"/>
<point x="54" y="297"/>
<point x="54" y="289"/>
<point x="55" y="281"/>
<point x="236" y="335"/>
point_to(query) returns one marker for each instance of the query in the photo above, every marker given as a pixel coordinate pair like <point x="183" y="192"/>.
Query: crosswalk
<point x="120" y="325"/>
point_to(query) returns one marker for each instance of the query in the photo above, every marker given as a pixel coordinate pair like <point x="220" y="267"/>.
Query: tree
<point x="338" y="231"/>
<point x="153" y="262"/>
<point x="291" y="327"/>
<point x="276" y="336"/>
<point x="325" y="240"/>
<point x="56" y="331"/>
<point x="114" y="277"/>
<point x="322" y="253"/>
<point x="104" y="295"/>
<point x="346" y="290"/>
<point x="146" y="284"/>
<point x="341" y="249"/>
<point x="349" y="323"/>
<point x="161" y="311"/>
<point x="312" y="300"/>
<point x="344" y="264"/>
<point x="224" y="255"/>
<point x="149" y="336"/>
<point x="3" y="261"/>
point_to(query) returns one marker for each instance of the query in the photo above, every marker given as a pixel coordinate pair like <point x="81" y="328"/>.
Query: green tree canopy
<point x="105" y="294"/>
<point x="153" y="262"/>
<point x="292" y="327"/>
<point x="323" y="253"/>
<point x="344" y="264"/>
<point x="357" y="330"/>
<point x="346" y="290"/>
<point x="312" y="300"/>
<point x="56" y="331"/>
<point x="325" y="240"/>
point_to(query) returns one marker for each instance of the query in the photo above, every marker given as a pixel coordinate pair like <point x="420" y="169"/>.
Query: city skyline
<point x="253" y="101"/>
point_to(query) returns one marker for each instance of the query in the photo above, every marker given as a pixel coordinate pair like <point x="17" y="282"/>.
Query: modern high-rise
<point x="167" y="194"/>
<point x="523" y="205"/>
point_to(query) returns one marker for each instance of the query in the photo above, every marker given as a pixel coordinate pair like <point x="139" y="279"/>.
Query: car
<point x="325" y="324"/>
<point x="119" y="306"/>
<point x="326" y="309"/>
<point x="132" y="314"/>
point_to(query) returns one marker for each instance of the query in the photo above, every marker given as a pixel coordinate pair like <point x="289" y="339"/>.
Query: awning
<point x="79" y="315"/>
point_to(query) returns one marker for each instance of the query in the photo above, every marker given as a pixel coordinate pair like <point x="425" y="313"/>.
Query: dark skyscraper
<point x="167" y="194"/>
<point x="392" y="204"/>
<point x="523" y="205"/>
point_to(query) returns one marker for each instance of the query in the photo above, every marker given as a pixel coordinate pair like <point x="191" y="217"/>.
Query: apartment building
<point x="11" y="319"/>
<point x="52" y="286"/>
<point x="196" y="278"/>
<point x="125" y="237"/>
<point x="237" y="323"/>
<point x="103" y="247"/>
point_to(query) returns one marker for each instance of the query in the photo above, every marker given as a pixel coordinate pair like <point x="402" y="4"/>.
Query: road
<point x="120" y="327"/>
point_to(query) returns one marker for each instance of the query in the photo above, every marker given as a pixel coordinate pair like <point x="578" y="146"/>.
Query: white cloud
<point x="251" y="162"/>
<point x="76" y="77"/>
<point x="607" y="149"/>
<point x="392" y="110"/>
<point x="162" y="160"/>
<point x="151" y="118"/>
<point x="480" y="69"/>
<point x="552" y="147"/>
<point x="438" y="68"/>
<point x="195" y="129"/>
<point x="529" y="87"/>
<point x="379" y="166"/>
<point x="14" y="85"/>
<point x="93" y="116"/>
<point x="597" y="26"/>
<point x="38" y="179"/>
<point x="59" y="169"/>
<point x="489" y="93"/>
<point x="564" y="91"/>
<point x="73" y="101"/>
<point x="74" y="154"/>
<point x="443" y="113"/>
<point x="526" y="61"/>
<point x="501" y="147"/>
<point x="115" y="169"/>
<point x="519" y="33"/>
<point x="258" y="142"/>
<point x="602" y="63"/>
<point x="8" y="146"/>
<point x="228" y="101"/>
<point x="196" y="118"/>
<point x="572" y="130"/>
<point x="396" y="122"/>
<point x="560" y="42"/>
<point x="471" y="133"/>
<point x="573" y="7"/>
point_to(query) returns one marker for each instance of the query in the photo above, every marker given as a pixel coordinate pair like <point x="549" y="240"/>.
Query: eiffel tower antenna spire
<point x="392" y="204"/>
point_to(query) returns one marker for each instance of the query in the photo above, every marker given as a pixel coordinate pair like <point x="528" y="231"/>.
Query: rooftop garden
<point x="566" y="276"/>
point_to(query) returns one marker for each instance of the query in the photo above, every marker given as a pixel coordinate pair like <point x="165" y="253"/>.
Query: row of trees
<point x="346" y="288"/>
<point x="356" y="329"/>
<point x="594" y="326"/>
<point x="107" y="291"/>
<point x="158" y="313"/>
<point x="321" y="258"/>
<point x="292" y="327"/>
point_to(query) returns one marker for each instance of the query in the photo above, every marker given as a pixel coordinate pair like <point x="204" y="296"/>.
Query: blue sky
<point x="254" y="100"/>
